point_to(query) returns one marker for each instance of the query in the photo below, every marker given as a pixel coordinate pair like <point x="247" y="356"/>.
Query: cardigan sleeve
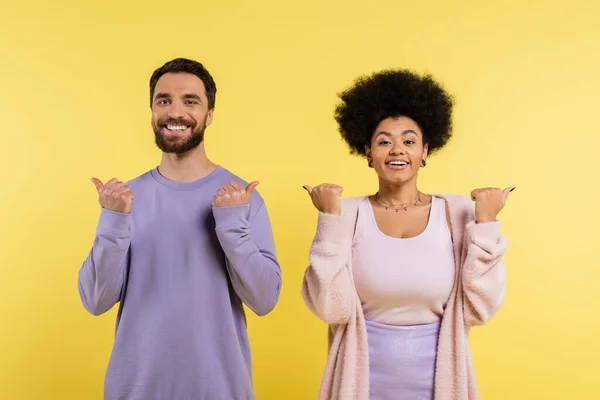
<point x="483" y="272"/>
<point x="328" y="290"/>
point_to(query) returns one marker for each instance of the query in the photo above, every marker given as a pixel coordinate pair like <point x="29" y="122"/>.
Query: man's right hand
<point x="114" y="195"/>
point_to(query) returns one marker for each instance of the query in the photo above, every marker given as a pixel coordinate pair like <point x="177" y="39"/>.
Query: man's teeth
<point x="176" y="127"/>
<point x="398" y="163"/>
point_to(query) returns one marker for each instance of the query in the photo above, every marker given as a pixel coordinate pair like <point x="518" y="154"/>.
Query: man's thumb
<point x="98" y="183"/>
<point x="309" y="189"/>
<point x="251" y="187"/>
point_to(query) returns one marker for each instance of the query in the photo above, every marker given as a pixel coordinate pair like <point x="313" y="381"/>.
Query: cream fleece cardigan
<point x="477" y="295"/>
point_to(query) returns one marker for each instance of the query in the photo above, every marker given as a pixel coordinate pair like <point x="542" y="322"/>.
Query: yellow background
<point x="74" y="104"/>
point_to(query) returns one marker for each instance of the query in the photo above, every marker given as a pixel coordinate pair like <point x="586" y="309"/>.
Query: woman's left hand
<point x="489" y="202"/>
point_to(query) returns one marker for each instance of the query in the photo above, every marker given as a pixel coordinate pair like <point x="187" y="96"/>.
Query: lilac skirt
<point x="402" y="361"/>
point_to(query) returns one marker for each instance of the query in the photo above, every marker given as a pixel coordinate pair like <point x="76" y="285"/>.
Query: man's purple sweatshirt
<point x="180" y="271"/>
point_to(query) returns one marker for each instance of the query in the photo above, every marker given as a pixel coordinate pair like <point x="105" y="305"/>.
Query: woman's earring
<point x="370" y="162"/>
<point x="423" y="163"/>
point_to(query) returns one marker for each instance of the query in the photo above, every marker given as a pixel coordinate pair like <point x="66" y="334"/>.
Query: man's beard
<point x="178" y="146"/>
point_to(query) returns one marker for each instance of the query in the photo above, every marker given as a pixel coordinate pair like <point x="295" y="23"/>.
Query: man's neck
<point x="186" y="167"/>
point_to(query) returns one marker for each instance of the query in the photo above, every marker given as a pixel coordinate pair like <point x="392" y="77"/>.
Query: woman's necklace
<point x="396" y="207"/>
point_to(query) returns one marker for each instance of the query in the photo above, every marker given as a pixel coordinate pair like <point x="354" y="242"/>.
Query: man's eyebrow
<point x="162" y="95"/>
<point x="192" y="96"/>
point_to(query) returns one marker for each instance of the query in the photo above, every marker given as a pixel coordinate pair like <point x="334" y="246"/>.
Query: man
<point x="181" y="258"/>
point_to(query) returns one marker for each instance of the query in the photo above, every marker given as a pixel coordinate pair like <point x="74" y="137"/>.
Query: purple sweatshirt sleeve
<point x="251" y="260"/>
<point x="102" y="273"/>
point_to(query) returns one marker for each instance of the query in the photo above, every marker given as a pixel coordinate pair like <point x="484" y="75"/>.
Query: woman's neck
<point x="398" y="193"/>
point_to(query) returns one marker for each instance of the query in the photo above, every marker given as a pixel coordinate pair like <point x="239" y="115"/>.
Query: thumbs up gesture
<point x="114" y="195"/>
<point x="233" y="194"/>
<point x="489" y="202"/>
<point x="326" y="198"/>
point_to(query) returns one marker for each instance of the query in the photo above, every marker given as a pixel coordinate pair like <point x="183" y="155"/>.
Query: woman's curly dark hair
<point x="394" y="93"/>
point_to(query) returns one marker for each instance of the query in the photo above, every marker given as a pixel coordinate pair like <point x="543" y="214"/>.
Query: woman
<point x="401" y="276"/>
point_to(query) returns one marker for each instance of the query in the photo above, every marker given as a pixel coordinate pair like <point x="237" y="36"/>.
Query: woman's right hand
<point x="326" y="198"/>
